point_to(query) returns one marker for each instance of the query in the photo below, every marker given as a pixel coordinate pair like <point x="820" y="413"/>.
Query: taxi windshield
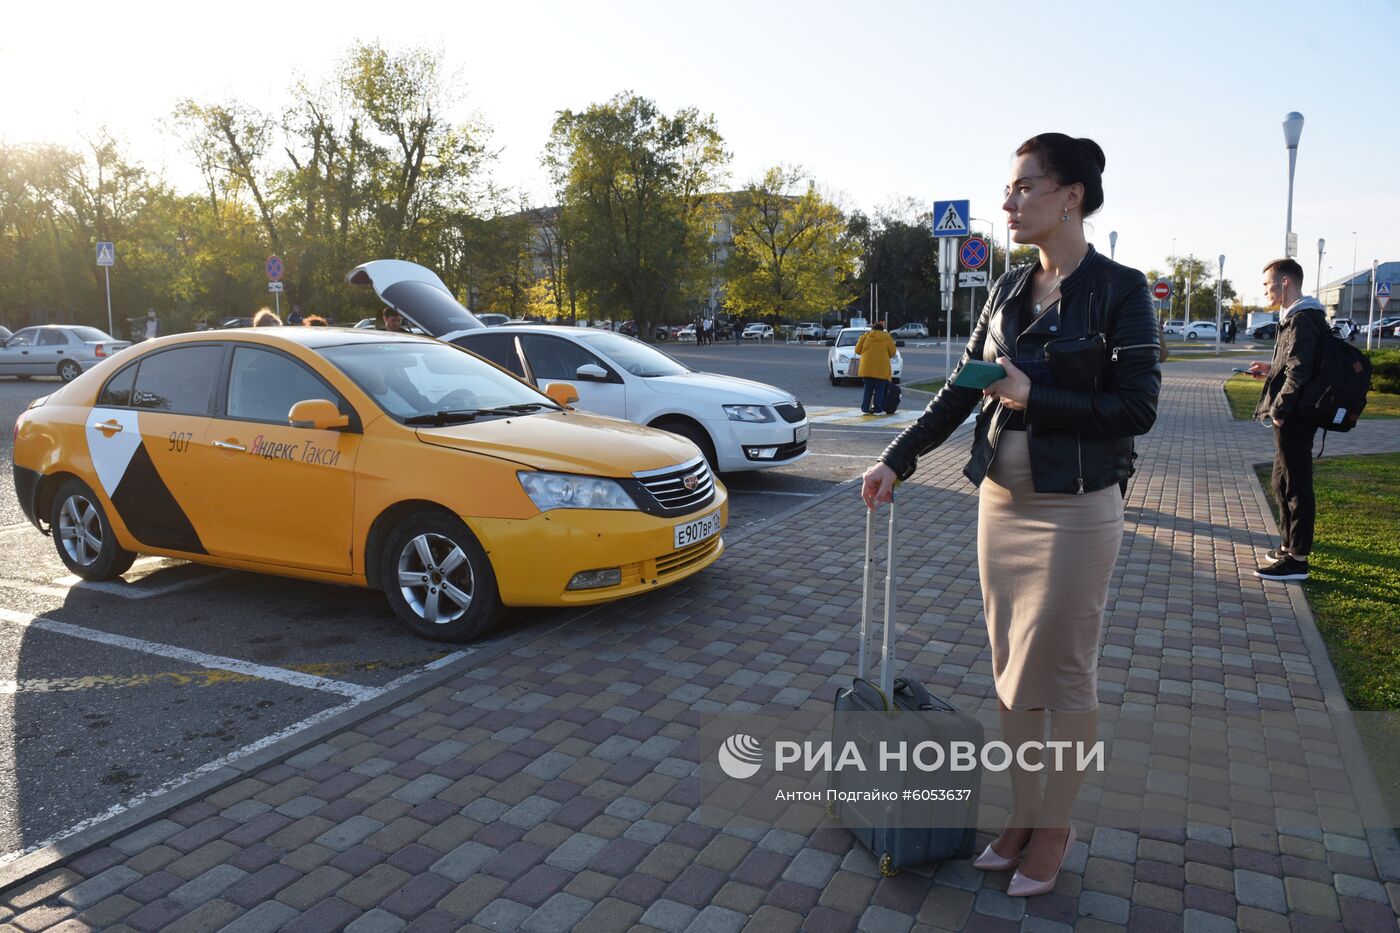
<point x="434" y="383"/>
<point x="634" y="356"/>
<point x="849" y="337"/>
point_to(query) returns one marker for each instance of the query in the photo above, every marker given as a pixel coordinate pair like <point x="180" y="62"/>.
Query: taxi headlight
<point x="565" y="491"/>
<point x="758" y="413"/>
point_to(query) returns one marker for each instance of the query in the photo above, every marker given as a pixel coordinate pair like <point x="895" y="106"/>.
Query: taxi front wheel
<point x="83" y="535"/>
<point x="439" y="580"/>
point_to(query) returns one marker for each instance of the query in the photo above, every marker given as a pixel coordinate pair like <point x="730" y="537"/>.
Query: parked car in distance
<point x="1265" y="331"/>
<point x="492" y="319"/>
<point x="1200" y="330"/>
<point x="62" y="350"/>
<point x="1173" y="327"/>
<point x="842" y="355"/>
<point x="1381" y="326"/>
<point x="809" y="331"/>
<point x="758" y="332"/>
<point x="1345" y="328"/>
<point x="910" y="331"/>
<point x="834" y="331"/>
<point x="686" y="333"/>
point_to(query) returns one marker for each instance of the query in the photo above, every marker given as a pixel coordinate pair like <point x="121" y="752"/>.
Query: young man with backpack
<point x="1302" y="328"/>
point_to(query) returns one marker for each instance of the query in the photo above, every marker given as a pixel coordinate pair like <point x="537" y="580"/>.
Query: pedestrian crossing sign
<point x="950" y="218"/>
<point x="106" y="254"/>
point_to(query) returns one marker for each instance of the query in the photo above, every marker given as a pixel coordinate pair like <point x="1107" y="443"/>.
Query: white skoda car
<point x="737" y="424"/>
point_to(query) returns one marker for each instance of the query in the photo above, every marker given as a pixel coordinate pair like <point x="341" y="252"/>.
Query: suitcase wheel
<point x="885" y="870"/>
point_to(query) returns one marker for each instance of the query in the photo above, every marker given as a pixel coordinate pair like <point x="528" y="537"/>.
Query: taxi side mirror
<point x="318" y="414"/>
<point x="561" y="393"/>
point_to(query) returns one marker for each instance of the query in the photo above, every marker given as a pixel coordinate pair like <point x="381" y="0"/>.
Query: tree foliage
<point x="635" y="188"/>
<point x="793" y="256"/>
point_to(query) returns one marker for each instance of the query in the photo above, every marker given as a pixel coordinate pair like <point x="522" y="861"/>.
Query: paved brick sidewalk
<point x="554" y="787"/>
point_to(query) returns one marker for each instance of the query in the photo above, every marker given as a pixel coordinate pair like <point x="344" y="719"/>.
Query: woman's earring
<point x="1065" y="216"/>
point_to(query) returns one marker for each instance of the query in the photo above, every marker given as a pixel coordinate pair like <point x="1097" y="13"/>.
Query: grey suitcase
<point x="906" y="712"/>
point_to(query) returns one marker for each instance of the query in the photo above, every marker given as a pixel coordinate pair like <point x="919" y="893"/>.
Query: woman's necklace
<point x="1051" y="290"/>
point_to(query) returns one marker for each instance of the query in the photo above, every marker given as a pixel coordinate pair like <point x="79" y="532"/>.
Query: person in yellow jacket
<point x="875" y="349"/>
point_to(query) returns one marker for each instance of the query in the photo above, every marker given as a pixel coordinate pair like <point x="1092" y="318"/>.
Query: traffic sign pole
<point x="107" y="274"/>
<point x="1372" y="317"/>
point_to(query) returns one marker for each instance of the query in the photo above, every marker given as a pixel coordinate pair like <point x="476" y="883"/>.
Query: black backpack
<point x="1336" y="395"/>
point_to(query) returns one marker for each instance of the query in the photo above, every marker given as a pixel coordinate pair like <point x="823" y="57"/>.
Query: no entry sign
<point x="974" y="253"/>
<point x="1163" y="289"/>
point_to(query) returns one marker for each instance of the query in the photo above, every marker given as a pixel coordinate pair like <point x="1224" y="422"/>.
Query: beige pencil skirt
<point x="1045" y="560"/>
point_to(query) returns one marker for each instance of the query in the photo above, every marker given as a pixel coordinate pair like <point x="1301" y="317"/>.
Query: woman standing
<point x="875" y="348"/>
<point x="1053" y="441"/>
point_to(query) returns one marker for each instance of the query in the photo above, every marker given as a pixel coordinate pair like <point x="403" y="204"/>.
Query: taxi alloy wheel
<point x="438" y="579"/>
<point x="83" y="535"/>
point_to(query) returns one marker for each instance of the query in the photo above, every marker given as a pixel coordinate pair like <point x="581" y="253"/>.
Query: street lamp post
<point x="1112" y="243"/>
<point x="1219" y="290"/>
<point x="1320" y="244"/>
<point x="1292" y="132"/>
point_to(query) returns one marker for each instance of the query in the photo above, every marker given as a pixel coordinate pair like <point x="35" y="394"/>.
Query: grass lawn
<point x="1354" y="573"/>
<point x="932" y="385"/>
<point x="1243" y="394"/>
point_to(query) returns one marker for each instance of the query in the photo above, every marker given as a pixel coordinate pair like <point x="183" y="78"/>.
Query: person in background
<point x="295" y="318"/>
<point x="393" y="320"/>
<point x="152" y="324"/>
<point x="266" y="317"/>
<point x="1302" y="328"/>
<point x="312" y="320"/>
<point x="875" y="348"/>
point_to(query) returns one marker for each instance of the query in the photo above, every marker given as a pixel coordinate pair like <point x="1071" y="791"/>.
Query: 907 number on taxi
<point x="697" y="531"/>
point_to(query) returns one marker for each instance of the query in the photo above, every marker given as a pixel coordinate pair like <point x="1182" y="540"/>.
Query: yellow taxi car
<point x="380" y="460"/>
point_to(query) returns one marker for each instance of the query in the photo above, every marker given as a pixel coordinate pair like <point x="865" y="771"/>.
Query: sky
<point x="879" y="102"/>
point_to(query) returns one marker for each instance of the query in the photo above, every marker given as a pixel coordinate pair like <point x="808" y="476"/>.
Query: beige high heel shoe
<point x="1026" y="886"/>
<point x="990" y="861"/>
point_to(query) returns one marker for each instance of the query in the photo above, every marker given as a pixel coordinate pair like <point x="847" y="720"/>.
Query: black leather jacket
<point x="1080" y="440"/>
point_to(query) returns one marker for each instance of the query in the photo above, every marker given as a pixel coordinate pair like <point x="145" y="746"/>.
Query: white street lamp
<point x="1112" y="243"/>
<point x="1219" y="290"/>
<point x="1292" y="132"/>
<point x="1320" y="244"/>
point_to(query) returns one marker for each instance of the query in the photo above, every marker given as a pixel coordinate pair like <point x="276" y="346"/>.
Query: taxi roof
<point x="313" y="338"/>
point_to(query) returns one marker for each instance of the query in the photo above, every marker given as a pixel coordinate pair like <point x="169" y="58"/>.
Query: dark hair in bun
<point x="1070" y="161"/>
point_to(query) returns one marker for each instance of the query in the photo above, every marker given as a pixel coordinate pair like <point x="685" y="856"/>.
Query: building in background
<point x="1350" y="297"/>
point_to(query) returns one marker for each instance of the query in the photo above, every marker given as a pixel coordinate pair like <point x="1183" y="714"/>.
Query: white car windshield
<point x="412" y="380"/>
<point x="633" y="355"/>
<point x="849" y="337"/>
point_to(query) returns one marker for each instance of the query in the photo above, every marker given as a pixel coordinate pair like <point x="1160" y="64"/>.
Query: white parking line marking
<point x="261" y="671"/>
<point x="128" y="591"/>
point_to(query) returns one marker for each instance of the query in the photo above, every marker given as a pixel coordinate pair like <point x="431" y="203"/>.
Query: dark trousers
<point x="876" y="388"/>
<point x="1293" y="484"/>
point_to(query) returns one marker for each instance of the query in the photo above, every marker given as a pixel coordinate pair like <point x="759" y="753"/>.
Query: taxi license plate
<point x="803" y="432"/>
<point x="697" y="531"/>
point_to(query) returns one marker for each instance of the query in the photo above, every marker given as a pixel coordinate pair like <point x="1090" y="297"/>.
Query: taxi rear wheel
<point x="438" y="579"/>
<point x="83" y="535"/>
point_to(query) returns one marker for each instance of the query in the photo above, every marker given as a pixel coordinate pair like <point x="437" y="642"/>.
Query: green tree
<point x="634" y="188"/>
<point x="900" y="254"/>
<point x="792" y="254"/>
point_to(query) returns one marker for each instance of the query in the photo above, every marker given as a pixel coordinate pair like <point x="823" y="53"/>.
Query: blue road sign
<point x="974" y="253"/>
<point x="274" y="268"/>
<point x="950" y="218"/>
<point x="1383" y="290"/>
<point x="106" y="254"/>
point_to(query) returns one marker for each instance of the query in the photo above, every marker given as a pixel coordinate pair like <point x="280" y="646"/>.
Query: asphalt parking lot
<point x="112" y="692"/>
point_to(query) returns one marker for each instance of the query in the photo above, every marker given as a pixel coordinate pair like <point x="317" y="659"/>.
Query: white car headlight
<point x="758" y="413"/>
<point x="566" y="491"/>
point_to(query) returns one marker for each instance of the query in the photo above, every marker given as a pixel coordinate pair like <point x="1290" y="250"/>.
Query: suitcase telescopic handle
<point x="867" y="604"/>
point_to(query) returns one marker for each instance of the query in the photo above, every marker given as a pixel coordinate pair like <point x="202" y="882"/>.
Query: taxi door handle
<point x="225" y="445"/>
<point x="107" y="427"/>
